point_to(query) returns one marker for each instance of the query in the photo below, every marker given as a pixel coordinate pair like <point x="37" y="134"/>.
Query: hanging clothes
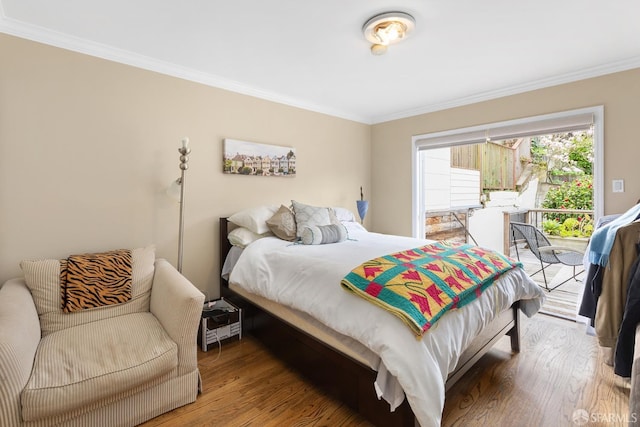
<point x="593" y="278"/>
<point x="611" y="297"/>
<point x="626" y="337"/>
<point x="615" y="281"/>
<point x="598" y="254"/>
<point x="602" y="238"/>
<point x="591" y="293"/>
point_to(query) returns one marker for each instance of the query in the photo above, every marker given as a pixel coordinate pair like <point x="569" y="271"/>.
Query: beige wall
<point x="619" y="93"/>
<point x="88" y="148"/>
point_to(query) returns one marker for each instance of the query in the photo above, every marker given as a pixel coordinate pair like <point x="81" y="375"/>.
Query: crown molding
<point x="54" y="38"/>
<point x="596" y="71"/>
<point x="76" y="44"/>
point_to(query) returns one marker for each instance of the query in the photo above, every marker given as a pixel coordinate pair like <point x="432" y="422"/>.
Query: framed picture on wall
<point x="252" y="158"/>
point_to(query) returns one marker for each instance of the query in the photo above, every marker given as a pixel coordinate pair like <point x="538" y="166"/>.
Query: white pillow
<point x="242" y="237"/>
<point x="254" y="219"/>
<point x="353" y="226"/>
<point x="344" y="215"/>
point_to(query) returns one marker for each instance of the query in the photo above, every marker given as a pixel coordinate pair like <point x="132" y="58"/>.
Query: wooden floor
<point x="557" y="375"/>
<point x="563" y="300"/>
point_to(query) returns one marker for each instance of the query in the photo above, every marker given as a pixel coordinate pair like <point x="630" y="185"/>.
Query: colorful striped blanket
<point x="420" y="285"/>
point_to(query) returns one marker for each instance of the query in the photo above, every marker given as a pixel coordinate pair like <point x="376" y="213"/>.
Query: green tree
<point x="569" y="153"/>
<point x="581" y="152"/>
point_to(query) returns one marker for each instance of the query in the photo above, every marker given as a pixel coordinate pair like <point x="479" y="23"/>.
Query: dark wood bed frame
<point x="339" y="375"/>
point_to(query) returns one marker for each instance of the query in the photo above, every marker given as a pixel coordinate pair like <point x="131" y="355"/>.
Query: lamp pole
<point x="184" y="159"/>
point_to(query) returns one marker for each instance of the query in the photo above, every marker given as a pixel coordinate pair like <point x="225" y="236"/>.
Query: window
<point x="531" y="126"/>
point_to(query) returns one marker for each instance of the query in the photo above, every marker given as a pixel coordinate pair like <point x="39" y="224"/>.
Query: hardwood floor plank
<point x="559" y="371"/>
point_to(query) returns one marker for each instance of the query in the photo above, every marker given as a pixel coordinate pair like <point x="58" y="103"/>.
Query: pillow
<point x="43" y="279"/>
<point x="344" y="214"/>
<point x="255" y="219"/>
<point x="353" y="226"/>
<point x="242" y="237"/>
<point x="283" y="224"/>
<point x="323" y="234"/>
<point x="95" y="280"/>
<point x="307" y="216"/>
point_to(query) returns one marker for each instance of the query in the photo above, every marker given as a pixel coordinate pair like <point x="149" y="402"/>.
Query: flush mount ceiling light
<point x="387" y="28"/>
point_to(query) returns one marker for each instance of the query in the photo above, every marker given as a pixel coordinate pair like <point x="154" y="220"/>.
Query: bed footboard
<point x="335" y="373"/>
<point x="507" y="323"/>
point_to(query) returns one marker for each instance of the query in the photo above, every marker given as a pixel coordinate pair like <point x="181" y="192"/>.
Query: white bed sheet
<point x="308" y="278"/>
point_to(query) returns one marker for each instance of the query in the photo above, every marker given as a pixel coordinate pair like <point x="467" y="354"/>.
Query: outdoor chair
<point x="546" y="253"/>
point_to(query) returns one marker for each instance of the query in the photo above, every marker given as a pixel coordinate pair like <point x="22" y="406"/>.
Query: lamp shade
<point x="363" y="207"/>
<point x="173" y="190"/>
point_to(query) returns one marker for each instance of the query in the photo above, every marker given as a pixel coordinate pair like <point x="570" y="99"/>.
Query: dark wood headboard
<point x="225" y="247"/>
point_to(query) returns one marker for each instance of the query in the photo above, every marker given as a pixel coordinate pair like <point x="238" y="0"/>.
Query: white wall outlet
<point x="618" y="185"/>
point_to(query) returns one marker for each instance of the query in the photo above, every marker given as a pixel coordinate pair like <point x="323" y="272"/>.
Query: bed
<point x="366" y="369"/>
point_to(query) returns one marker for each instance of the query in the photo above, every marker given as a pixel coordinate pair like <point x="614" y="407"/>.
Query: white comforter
<point x="308" y="278"/>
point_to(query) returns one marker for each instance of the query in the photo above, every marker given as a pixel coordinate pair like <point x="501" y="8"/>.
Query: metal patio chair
<point x="546" y="253"/>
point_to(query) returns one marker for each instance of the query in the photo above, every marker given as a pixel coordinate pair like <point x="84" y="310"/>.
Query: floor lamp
<point x="184" y="159"/>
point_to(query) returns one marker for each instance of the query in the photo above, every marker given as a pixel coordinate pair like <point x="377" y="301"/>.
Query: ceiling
<point x="313" y="54"/>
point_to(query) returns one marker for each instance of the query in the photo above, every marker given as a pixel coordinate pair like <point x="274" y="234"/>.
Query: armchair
<point x="110" y="366"/>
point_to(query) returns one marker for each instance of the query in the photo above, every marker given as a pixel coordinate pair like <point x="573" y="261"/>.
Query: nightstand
<point x="221" y="321"/>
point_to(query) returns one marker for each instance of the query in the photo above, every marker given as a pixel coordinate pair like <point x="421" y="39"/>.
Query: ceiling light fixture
<point x="387" y="28"/>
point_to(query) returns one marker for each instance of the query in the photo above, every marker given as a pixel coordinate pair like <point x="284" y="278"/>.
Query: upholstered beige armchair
<point x="117" y="365"/>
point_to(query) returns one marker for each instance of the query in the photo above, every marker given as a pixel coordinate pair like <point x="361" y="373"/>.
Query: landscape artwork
<point x="252" y="158"/>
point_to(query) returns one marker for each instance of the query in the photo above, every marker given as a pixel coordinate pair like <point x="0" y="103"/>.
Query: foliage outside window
<point x="565" y="154"/>
<point x="576" y="194"/>
<point x="567" y="157"/>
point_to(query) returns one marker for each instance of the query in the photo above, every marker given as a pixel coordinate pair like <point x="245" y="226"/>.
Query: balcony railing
<point x="535" y="218"/>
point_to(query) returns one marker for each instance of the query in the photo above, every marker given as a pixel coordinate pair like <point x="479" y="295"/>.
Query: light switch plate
<point x="618" y="185"/>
